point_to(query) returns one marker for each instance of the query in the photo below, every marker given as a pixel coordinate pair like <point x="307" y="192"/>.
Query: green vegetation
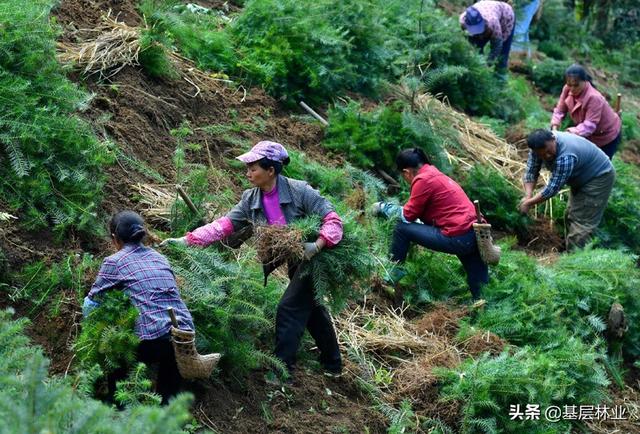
<point x="39" y="283"/>
<point x="373" y="139"/>
<point x="621" y="222"/>
<point x="553" y="316"/>
<point x="107" y="337"/>
<point x="498" y="199"/>
<point x="34" y="402"/>
<point x="51" y="160"/>
<point x="231" y="308"/>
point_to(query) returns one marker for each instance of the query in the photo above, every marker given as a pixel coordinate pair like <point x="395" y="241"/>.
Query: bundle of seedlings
<point x="335" y="271"/>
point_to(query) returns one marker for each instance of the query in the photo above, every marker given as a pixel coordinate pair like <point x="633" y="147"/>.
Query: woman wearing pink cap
<point x="278" y="200"/>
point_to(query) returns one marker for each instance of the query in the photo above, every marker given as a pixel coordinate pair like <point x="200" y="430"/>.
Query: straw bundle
<point x="115" y="46"/>
<point x="156" y="200"/>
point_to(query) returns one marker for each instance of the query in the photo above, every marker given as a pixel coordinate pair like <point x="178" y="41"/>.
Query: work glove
<point x="88" y="306"/>
<point x="376" y="209"/>
<point x="182" y="241"/>
<point x="310" y="250"/>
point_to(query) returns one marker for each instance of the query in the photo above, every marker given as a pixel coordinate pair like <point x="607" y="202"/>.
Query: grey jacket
<point x="297" y="199"/>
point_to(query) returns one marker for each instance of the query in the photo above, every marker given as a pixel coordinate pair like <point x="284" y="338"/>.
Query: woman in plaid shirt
<point x="146" y="276"/>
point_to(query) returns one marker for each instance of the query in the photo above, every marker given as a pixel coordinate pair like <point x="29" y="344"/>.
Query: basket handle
<point x="172" y="314"/>
<point x="476" y="203"/>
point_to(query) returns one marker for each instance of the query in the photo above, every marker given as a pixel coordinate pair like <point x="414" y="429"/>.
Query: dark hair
<point x="411" y="158"/>
<point x="578" y="72"/>
<point x="127" y="226"/>
<point x="538" y="138"/>
<point x="265" y="163"/>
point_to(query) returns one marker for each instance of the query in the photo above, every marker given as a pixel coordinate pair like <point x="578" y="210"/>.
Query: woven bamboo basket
<point x="489" y="252"/>
<point x="190" y="364"/>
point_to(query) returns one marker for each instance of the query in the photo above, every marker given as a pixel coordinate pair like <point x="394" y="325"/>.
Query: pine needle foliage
<point x="371" y="140"/>
<point x="232" y="310"/>
<point x="498" y="198"/>
<point x="338" y="272"/>
<point x="107" y="338"/>
<point x="50" y="160"/>
<point x="621" y="222"/>
<point x="32" y="402"/>
<point x="567" y="374"/>
<point x="310" y="50"/>
<point x="136" y="389"/>
<point x="38" y="283"/>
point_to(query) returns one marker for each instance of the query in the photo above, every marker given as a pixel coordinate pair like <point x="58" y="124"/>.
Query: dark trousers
<point x="502" y="58"/>
<point x="611" y="148"/>
<point x="463" y="246"/>
<point x="151" y="352"/>
<point x="298" y="310"/>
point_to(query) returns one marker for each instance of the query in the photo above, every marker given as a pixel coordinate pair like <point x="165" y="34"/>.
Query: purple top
<point x="271" y="208"/>
<point x="146" y="276"/>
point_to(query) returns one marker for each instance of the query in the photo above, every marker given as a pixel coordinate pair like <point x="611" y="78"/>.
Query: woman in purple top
<point x="592" y="116"/>
<point x="146" y="277"/>
<point x="278" y="200"/>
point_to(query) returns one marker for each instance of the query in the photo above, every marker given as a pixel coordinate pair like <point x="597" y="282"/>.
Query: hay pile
<point x="395" y="344"/>
<point x="477" y="142"/>
<point x="114" y="46"/>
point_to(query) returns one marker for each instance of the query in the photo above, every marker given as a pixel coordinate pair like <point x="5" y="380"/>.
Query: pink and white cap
<point x="265" y="149"/>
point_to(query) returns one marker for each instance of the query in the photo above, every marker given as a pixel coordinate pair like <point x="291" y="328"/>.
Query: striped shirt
<point x="146" y="276"/>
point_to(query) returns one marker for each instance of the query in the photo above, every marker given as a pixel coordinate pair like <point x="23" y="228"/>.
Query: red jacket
<point x="439" y="201"/>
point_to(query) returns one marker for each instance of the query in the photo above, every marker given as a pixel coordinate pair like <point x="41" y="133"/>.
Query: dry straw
<point x="156" y="201"/>
<point x="478" y="143"/>
<point x="114" y="46"/>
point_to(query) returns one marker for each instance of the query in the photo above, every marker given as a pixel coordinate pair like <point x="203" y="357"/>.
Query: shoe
<point x="395" y="276"/>
<point x="333" y="373"/>
<point x="479" y="304"/>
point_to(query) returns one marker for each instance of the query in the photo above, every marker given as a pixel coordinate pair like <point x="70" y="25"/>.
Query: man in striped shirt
<point x="573" y="161"/>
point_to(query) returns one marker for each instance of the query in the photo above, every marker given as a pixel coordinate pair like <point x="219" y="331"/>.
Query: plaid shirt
<point x="146" y="276"/>
<point x="561" y="169"/>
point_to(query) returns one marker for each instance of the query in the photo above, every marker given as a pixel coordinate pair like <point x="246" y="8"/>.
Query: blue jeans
<point x="463" y="246"/>
<point x="524" y="17"/>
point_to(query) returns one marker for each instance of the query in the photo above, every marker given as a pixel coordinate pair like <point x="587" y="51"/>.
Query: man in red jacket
<point x="447" y="215"/>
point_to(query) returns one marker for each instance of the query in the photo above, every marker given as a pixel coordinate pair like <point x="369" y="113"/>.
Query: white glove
<point x="376" y="209"/>
<point x="310" y="250"/>
<point x="182" y="241"/>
